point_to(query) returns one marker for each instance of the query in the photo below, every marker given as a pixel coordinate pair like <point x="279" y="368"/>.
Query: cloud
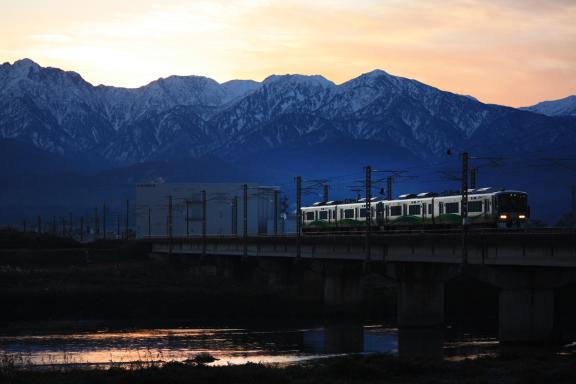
<point x="506" y="51"/>
<point x="52" y="38"/>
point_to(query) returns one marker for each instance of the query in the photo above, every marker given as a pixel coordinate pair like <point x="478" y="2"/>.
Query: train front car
<point x="512" y="210"/>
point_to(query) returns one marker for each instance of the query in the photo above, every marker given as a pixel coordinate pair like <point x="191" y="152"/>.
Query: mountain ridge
<point x="560" y="107"/>
<point x="194" y="116"/>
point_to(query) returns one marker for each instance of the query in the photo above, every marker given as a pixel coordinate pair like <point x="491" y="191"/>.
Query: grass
<point x="349" y="370"/>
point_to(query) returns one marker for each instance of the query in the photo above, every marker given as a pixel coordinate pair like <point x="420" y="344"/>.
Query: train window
<point x="440" y="208"/>
<point x="310" y="216"/>
<point x="396" y="210"/>
<point x="413" y="210"/>
<point x="323" y="215"/>
<point x="430" y="209"/>
<point x="512" y="202"/>
<point x="363" y="212"/>
<point x="348" y="213"/>
<point x="452" y="207"/>
<point x="475" y="206"/>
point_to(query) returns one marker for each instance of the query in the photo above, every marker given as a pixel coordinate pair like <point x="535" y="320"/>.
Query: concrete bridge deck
<point x="526" y="267"/>
<point x="484" y="248"/>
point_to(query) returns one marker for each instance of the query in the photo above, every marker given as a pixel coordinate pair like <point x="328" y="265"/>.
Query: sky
<point x="510" y="52"/>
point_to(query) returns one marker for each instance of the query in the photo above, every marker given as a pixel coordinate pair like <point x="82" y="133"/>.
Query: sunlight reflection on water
<point x="228" y="346"/>
<point x="145" y="347"/>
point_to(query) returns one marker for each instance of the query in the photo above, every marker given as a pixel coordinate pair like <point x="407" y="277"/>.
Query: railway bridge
<point x="527" y="267"/>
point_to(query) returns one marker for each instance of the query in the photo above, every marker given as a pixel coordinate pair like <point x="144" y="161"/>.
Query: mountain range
<point x="561" y="107"/>
<point x="264" y="131"/>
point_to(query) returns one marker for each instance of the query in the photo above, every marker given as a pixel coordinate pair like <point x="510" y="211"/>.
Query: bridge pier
<point x="527" y="301"/>
<point x="526" y="315"/>
<point x="420" y="343"/>
<point x="340" y="338"/>
<point x="421" y="293"/>
<point x="343" y="288"/>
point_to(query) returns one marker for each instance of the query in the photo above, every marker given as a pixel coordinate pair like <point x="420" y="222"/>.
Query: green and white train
<point x="486" y="208"/>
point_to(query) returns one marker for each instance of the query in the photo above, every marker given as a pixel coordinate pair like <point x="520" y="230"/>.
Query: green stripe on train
<point x="451" y="219"/>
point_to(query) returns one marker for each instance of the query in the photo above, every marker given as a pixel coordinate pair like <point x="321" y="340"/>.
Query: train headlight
<point x="503" y="217"/>
<point x="522" y="217"/>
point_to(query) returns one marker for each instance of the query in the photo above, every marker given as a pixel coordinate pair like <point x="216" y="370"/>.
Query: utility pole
<point x="245" y="219"/>
<point x="96" y="224"/>
<point x="104" y="221"/>
<point x="325" y="192"/>
<point x="276" y="199"/>
<point x="235" y="215"/>
<point x="149" y="222"/>
<point x="298" y="215"/>
<point x="118" y="226"/>
<point x="368" y="194"/>
<point x="203" y="198"/>
<point x="187" y="218"/>
<point x="169" y="225"/>
<point x="473" y="177"/>
<point x="82" y="228"/>
<point x="70" y="224"/>
<point x="39" y="224"/>
<point x="127" y="217"/>
<point x="464" y="188"/>
<point x="574" y="204"/>
<point x="464" y="208"/>
<point x="389" y="188"/>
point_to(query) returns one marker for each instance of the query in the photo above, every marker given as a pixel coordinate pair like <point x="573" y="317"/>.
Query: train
<point x="487" y="207"/>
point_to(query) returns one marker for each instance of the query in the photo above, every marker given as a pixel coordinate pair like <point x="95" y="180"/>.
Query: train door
<point x="387" y="214"/>
<point x="335" y="215"/>
<point x="380" y="214"/>
<point x="440" y="211"/>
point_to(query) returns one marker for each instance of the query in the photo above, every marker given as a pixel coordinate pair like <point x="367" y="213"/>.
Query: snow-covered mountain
<point x="194" y="116"/>
<point x="67" y="145"/>
<point x="561" y="107"/>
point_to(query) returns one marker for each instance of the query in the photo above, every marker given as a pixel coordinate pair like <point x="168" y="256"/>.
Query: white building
<point x="224" y="209"/>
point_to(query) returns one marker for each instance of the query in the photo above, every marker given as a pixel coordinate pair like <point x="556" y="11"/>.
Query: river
<point x="145" y="347"/>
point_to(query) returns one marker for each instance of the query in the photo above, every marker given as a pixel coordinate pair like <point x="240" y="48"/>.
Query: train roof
<point x="422" y="195"/>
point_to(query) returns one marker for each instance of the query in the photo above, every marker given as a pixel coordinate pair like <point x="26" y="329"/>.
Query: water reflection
<point x="421" y="343"/>
<point x="238" y="346"/>
<point x="349" y="338"/>
<point x="229" y="346"/>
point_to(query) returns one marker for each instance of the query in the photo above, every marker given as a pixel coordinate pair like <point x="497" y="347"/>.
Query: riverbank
<point x="354" y="369"/>
<point x="57" y="281"/>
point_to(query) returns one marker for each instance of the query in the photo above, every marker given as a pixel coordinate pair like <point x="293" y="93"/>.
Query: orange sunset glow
<point x="509" y="52"/>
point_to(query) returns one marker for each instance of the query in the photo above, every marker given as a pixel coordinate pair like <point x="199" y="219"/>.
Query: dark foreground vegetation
<point x="371" y="369"/>
<point x="46" y="279"/>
